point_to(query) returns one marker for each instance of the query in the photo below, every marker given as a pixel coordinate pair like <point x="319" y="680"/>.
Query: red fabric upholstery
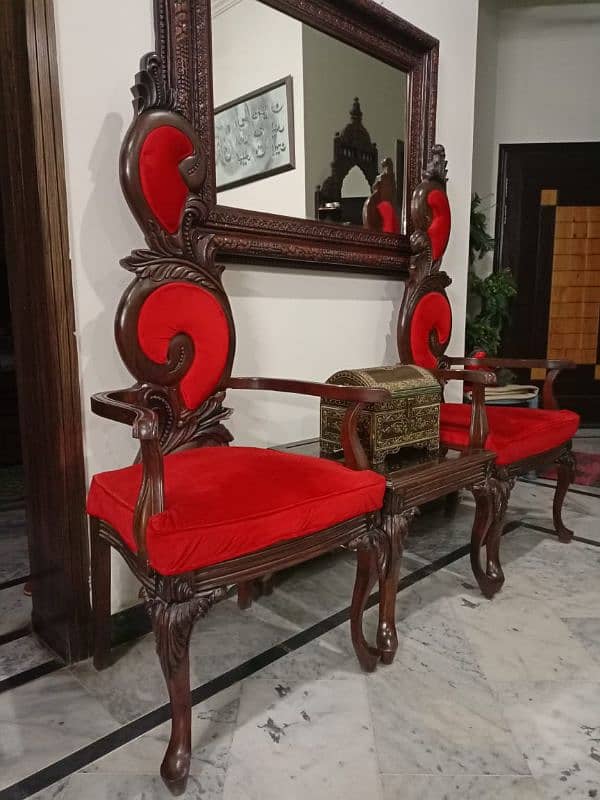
<point x="389" y="218"/>
<point x="432" y="313"/>
<point x="163" y="187"/>
<point x="224" y="502"/>
<point x="184" y="308"/>
<point x="439" y="230"/>
<point x="515" y="433"/>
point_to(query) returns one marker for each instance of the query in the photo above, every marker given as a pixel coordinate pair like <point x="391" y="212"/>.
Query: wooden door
<point x="32" y="191"/>
<point x="548" y="232"/>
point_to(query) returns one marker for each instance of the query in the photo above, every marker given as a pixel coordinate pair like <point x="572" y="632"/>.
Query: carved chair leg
<point x="484" y="517"/>
<point x="173" y="609"/>
<point x="500" y="493"/>
<point x="366" y="576"/>
<point x="565" y="468"/>
<point x="451" y="503"/>
<point x="245" y="595"/>
<point x="100" y="570"/>
<point x="395" y="527"/>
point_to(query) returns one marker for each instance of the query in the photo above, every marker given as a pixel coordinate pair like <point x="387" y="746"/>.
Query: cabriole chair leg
<point x="100" y="571"/>
<point x="565" y="469"/>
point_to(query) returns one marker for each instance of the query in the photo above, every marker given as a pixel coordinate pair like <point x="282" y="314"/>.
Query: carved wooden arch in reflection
<point x="183" y="42"/>
<point x="351" y="148"/>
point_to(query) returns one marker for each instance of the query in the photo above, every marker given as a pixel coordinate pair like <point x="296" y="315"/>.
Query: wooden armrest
<point x="354" y="453"/>
<point x="516" y="363"/>
<point x="331" y="391"/>
<point x="468" y="375"/>
<point x="478" y="429"/>
<point x="120" y="406"/>
<point x="553" y="365"/>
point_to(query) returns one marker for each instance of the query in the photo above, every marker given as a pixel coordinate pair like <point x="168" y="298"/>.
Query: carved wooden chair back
<point x="174" y="327"/>
<point x="425" y="322"/>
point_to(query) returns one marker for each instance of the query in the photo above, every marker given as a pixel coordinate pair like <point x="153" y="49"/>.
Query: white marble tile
<point x="224" y="639"/>
<point x="314" y="741"/>
<point x="45" y="720"/>
<point x="430" y="723"/>
<point x="556" y="725"/>
<point x="517" y="639"/>
<point x="213" y="724"/>
<point x="22" y="654"/>
<point x="105" y="786"/>
<point x="459" y="787"/>
<point x="15" y="609"/>
<point x="587" y="632"/>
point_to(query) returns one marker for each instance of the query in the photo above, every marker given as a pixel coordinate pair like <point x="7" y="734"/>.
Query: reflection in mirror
<point x="302" y="120"/>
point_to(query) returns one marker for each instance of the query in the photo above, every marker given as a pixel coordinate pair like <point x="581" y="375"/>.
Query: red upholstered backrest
<point x="389" y="218"/>
<point x="163" y="187"/>
<point x="439" y="229"/>
<point x="180" y="307"/>
<point x="432" y="314"/>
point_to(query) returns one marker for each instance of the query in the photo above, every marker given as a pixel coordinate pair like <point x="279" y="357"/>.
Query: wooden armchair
<point x="522" y="438"/>
<point x="193" y="517"/>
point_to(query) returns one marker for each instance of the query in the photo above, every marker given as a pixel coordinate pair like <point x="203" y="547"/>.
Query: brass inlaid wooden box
<point x="410" y="419"/>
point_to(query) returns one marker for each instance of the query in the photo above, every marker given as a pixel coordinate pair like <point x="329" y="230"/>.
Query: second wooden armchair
<point x="522" y="438"/>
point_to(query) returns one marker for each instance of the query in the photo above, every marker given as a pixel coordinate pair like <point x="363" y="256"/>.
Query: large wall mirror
<point x="298" y="104"/>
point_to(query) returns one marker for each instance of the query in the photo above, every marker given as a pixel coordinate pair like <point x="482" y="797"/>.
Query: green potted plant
<point x="488" y="299"/>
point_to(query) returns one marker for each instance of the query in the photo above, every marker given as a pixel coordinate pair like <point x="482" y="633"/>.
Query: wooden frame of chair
<point x="159" y="419"/>
<point x="426" y="277"/>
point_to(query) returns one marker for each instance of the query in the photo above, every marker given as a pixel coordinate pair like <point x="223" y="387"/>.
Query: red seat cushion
<point x="514" y="433"/>
<point x="224" y="502"/>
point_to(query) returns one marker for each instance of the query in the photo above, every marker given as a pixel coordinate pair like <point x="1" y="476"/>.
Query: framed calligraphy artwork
<point x="254" y="135"/>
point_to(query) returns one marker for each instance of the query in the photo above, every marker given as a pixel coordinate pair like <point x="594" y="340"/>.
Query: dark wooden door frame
<point x="32" y="185"/>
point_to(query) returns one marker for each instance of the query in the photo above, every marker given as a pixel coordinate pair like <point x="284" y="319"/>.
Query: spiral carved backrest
<point x="425" y="322"/>
<point x="173" y="327"/>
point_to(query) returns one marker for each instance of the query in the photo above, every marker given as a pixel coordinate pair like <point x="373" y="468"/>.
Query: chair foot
<point x="379" y="554"/>
<point x="366" y="577"/>
<point x="100" y="569"/>
<point x="565" y="468"/>
<point x="491" y="501"/>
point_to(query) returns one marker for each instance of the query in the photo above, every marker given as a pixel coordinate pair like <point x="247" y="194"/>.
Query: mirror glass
<point x="302" y="120"/>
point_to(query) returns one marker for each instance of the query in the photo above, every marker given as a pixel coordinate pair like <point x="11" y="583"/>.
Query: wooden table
<point x="413" y="479"/>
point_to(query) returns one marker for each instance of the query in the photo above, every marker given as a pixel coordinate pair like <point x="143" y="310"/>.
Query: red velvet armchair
<point x="522" y="438"/>
<point x="193" y="516"/>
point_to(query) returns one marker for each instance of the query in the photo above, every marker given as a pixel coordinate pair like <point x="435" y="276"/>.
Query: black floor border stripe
<point x="18" y="633"/>
<point x="76" y="761"/>
<point x="541" y="529"/>
<point x="21" y="678"/>
<point x="14" y="582"/>
<point x="571" y="488"/>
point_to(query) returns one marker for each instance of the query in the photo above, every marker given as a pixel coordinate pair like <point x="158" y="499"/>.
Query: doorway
<point x="548" y="235"/>
<point x="42" y="328"/>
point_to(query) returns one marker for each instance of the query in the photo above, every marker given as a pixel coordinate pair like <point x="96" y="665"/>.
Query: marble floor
<point x="495" y="699"/>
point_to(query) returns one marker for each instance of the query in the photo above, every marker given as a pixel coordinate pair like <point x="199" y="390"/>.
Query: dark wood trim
<point x="33" y="192"/>
<point x="183" y="44"/>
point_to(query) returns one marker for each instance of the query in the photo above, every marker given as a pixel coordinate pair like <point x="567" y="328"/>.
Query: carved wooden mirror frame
<point x="183" y="45"/>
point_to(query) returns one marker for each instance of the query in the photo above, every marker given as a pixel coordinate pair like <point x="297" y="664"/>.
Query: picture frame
<point x="254" y="135"/>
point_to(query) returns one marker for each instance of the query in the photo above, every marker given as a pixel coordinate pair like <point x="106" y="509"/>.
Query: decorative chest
<point x="410" y="419"/>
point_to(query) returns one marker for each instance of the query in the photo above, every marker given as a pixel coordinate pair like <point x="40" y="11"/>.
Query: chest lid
<point x="399" y="379"/>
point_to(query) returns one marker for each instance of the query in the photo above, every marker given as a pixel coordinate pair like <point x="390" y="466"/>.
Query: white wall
<point x="242" y="63"/>
<point x="290" y="323"/>
<point x="537" y="79"/>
